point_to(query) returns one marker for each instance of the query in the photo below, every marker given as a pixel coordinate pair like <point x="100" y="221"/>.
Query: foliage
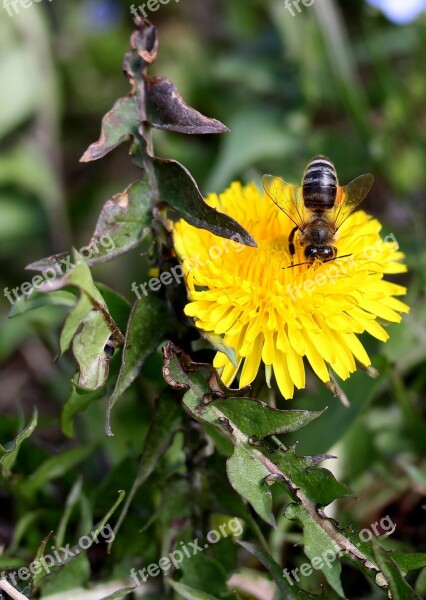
<point x="184" y="455"/>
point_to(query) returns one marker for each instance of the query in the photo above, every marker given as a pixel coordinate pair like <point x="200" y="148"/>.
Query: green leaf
<point x="22" y="526"/>
<point x="205" y="574"/>
<point x="38" y="300"/>
<point x="318" y="544"/>
<point x="89" y="351"/>
<point x="78" y="401"/>
<point x="421" y="584"/>
<point x="218" y="344"/>
<point x="178" y="189"/>
<point x="76" y="550"/>
<point x="248" y="469"/>
<point x="182" y="373"/>
<point x="318" y="484"/>
<point x="248" y="478"/>
<point x="119" y="594"/>
<point x="72" y="575"/>
<point x="118" y="306"/>
<point x="189" y="593"/>
<point x="251" y="484"/>
<point x="79" y="276"/>
<point x="117" y="126"/>
<point x="166" y="422"/>
<point x="289" y="589"/>
<point x="8" y="455"/>
<point x="252" y="465"/>
<point x="399" y="588"/>
<point x="55" y="467"/>
<point x="255" y="418"/>
<point x="90" y="324"/>
<point x="148" y="326"/>
<point x="409" y="561"/>
<point x="73" y="498"/>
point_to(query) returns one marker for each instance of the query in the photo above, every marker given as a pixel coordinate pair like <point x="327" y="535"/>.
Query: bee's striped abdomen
<point x="320" y="184"/>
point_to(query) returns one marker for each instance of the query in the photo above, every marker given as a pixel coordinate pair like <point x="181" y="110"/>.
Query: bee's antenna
<point x="343" y="256"/>
<point x="296" y="265"/>
<point x="307" y="263"/>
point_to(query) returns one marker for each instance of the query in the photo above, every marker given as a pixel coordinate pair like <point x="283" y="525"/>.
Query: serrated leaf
<point x="246" y="474"/>
<point x="255" y="418"/>
<point x="189" y="593"/>
<point x="399" y="588"/>
<point x="290" y="590"/>
<point x="318" y="543"/>
<point x="308" y="485"/>
<point x="8" y="456"/>
<point x="178" y="189"/>
<point x="117" y="126"/>
<point x="248" y="477"/>
<point x="318" y="484"/>
<point x="166" y="110"/>
<point x="148" y="326"/>
<point x="248" y="468"/>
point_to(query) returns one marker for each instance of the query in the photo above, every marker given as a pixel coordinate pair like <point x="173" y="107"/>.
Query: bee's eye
<point x="311" y="252"/>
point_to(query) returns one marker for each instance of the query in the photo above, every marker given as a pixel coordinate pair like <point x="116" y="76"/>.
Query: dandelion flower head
<point x="284" y="317"/>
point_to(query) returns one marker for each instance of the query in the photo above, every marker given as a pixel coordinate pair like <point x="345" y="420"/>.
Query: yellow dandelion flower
<point x="279" y="316"/>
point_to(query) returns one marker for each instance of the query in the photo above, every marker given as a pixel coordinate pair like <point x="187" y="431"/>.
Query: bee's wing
<point x="350" y="196"/>
<point x="287" y="197"/>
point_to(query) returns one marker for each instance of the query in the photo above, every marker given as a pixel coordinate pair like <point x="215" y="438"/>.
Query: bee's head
<point x="322" y="253"/>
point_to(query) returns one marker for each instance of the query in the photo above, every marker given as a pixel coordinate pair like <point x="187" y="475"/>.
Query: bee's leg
<point x="291" y="241"/>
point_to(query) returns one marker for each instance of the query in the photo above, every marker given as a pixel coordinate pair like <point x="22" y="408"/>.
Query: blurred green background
<point x="339" y="78"/>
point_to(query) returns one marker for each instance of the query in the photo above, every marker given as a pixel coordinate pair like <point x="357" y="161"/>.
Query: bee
<point x="318" y="208"/>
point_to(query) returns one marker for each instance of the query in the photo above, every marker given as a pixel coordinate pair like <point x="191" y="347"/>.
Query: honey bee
<point x="319" y="207"/>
